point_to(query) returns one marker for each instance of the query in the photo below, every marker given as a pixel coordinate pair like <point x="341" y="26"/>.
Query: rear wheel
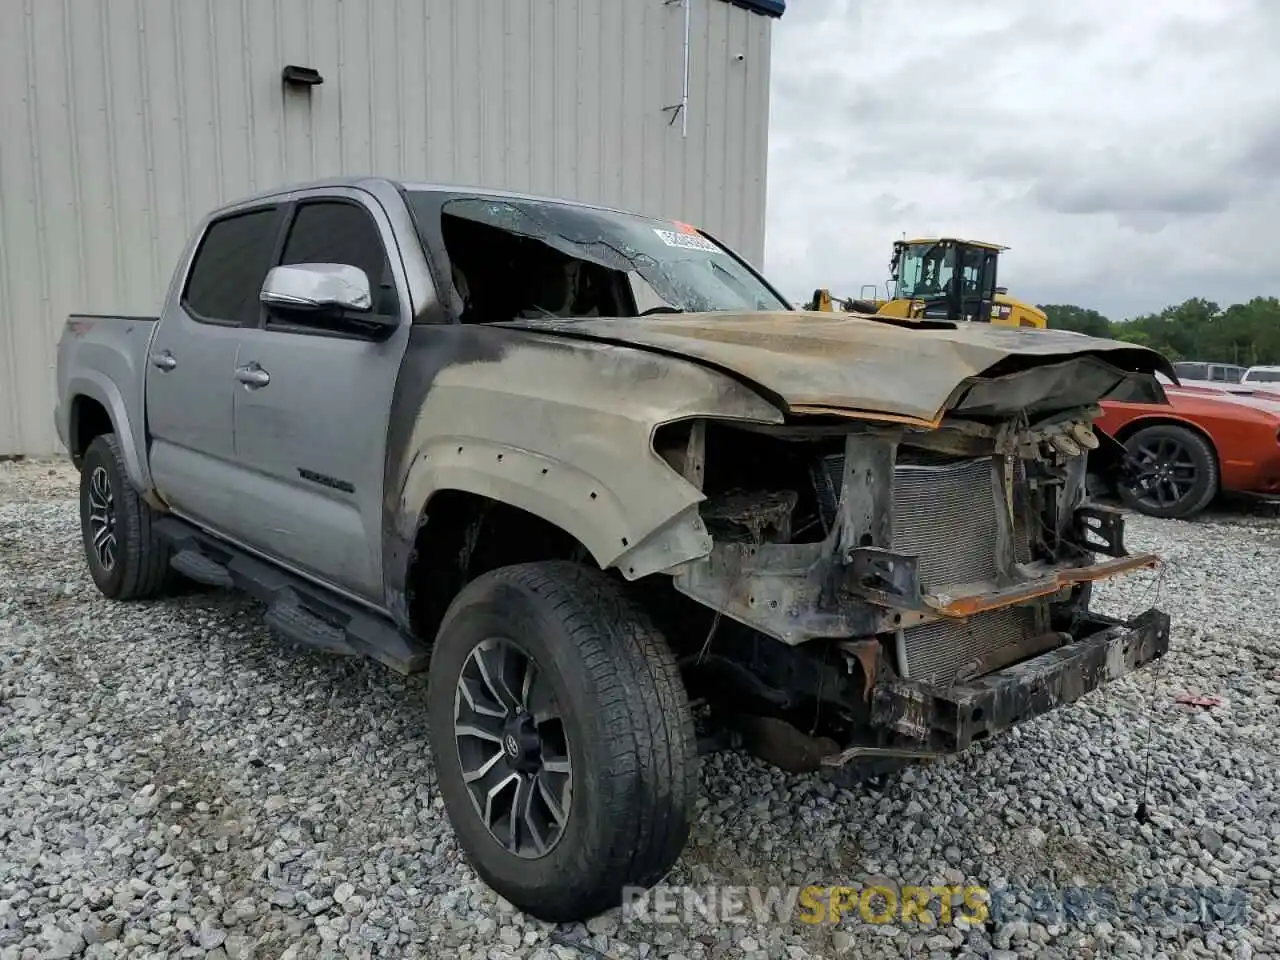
<point x="563" y="740"/>
<point x="126" y="558"/>
<point x="1174" y="472"/>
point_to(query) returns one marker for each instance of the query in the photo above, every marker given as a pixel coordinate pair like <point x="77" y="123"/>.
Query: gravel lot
<point x="175" y="781"/>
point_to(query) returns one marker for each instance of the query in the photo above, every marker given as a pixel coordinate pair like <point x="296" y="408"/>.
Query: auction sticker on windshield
<point x="688" y="241"/>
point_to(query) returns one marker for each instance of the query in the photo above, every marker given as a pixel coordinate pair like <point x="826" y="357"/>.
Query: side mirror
<point x="317" y="286"/>
<point x="1002" y="289"/>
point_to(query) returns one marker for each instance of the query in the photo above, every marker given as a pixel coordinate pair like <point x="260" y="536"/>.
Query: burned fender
<point x="561" y="429"/>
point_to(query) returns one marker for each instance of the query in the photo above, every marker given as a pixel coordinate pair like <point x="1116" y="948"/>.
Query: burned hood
<point x="809" y="362"/>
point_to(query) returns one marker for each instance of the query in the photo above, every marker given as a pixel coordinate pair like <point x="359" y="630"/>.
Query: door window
<point x="333" y="231"/>
<point x="229" y="267"/>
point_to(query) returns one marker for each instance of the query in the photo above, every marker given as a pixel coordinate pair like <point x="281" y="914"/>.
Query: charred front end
<point x="882" y="592"/>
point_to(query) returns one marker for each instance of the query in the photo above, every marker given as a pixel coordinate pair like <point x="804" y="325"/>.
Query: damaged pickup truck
<point x="591" y="470"/>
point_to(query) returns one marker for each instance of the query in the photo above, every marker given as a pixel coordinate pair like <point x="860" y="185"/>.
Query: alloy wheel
<point x="102" y="518"/>
<point x="1164" y="472"/>
<point x="512" y="748"/>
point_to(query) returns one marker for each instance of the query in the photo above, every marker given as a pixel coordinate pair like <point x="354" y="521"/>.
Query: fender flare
<point x="96" y="386"/>
<point x="566" y="497"/>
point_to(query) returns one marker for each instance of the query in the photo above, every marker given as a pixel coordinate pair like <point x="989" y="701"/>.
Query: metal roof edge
<point x="770" y="8"/>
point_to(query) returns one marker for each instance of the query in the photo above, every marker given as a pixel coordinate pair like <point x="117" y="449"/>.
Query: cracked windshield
<point x="531" y="259"/>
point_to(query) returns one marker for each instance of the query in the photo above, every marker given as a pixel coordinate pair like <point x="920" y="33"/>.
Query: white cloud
<point x="1128" y="153"/>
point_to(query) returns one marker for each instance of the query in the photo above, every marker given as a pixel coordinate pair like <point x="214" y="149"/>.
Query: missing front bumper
<point x="949" y="719"/>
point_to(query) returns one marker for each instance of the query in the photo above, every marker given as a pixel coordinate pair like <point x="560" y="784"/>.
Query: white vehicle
<point x="1262" y="374"/>
<point x="1200" y="374"/>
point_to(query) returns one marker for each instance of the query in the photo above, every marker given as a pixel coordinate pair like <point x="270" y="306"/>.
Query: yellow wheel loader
<point x="943" y="279"/>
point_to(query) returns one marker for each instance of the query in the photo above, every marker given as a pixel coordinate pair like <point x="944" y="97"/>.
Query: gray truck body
<point x="328" y="468"/>
<point x="400" y="414"/>
<point x="312" y="460"/>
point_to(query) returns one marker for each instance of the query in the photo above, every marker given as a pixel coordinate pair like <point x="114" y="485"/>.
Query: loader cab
<point x="945" y="279"/>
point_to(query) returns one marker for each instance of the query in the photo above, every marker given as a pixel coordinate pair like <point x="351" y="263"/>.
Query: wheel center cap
<point x="521" y="745"/>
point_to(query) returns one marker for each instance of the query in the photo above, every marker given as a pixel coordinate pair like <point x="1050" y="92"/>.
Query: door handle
<point x="252" y="376"/>
<point x="163" y="360"/>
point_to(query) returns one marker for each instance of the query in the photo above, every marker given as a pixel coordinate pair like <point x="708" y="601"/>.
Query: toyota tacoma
<point x="592" y="472"/>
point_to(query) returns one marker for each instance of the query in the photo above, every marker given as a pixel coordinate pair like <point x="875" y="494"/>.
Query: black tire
<point x="138" y="566"/>
<point x="1177" y="472"/>
<point x="627" y="729"/>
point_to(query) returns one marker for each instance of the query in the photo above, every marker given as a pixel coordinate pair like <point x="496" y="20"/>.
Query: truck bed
<point x="102" y="359"/>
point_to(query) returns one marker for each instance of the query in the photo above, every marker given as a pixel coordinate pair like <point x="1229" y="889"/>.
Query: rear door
<point x="311" y="425"/>
<point x="190" y="384"/>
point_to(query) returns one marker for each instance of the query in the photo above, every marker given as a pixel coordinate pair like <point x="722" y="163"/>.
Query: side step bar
<point x="194" y="565"/>
<point x="296" y="608"/>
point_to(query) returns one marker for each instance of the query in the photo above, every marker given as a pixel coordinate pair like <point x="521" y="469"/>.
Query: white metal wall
<point x="123" y="121"/>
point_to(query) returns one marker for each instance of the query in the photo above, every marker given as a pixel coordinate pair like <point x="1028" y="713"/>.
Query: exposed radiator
<point x="944" y="513"/>
<point x="943" y="509"/>
<point x="1021" y="536"/>
<point x="946" y="516"/>
<point x="935" y="652"/>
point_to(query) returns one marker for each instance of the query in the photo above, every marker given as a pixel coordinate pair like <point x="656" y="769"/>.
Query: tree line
<point x="1198" y="329"/>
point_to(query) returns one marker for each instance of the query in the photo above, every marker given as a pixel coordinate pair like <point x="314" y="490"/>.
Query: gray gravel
<point x="175" y="781"/>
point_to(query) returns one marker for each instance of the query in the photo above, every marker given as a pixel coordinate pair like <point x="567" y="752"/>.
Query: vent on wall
<point x="295" y="76"/>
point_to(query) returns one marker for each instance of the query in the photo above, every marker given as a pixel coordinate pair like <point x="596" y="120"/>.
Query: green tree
<point x="1136" y="336"/>
<point x="1199" y="329"/>
<point x="1196" y="329"/>
<point x="1067" y="316"/>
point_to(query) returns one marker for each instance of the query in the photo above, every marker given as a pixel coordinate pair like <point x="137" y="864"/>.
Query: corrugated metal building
<point x="123" y="121"/>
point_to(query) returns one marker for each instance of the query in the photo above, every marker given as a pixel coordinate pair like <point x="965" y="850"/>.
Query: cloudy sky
<point x="1127" y="151"/>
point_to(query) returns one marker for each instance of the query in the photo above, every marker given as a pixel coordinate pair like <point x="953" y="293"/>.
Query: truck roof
<point x="367" y="182"/>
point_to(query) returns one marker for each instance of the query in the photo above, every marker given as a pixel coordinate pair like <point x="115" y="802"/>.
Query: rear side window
<point x="332" y="231"/>
<point x="229" y="268"/>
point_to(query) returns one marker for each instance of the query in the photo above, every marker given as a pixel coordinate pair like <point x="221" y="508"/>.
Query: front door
<point x="190" y="385"/>
<point x="311" y="407"/>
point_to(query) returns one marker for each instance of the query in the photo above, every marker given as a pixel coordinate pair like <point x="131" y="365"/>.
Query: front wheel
<point x="564" y="745"/>
<point x="1173" y="472"/>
